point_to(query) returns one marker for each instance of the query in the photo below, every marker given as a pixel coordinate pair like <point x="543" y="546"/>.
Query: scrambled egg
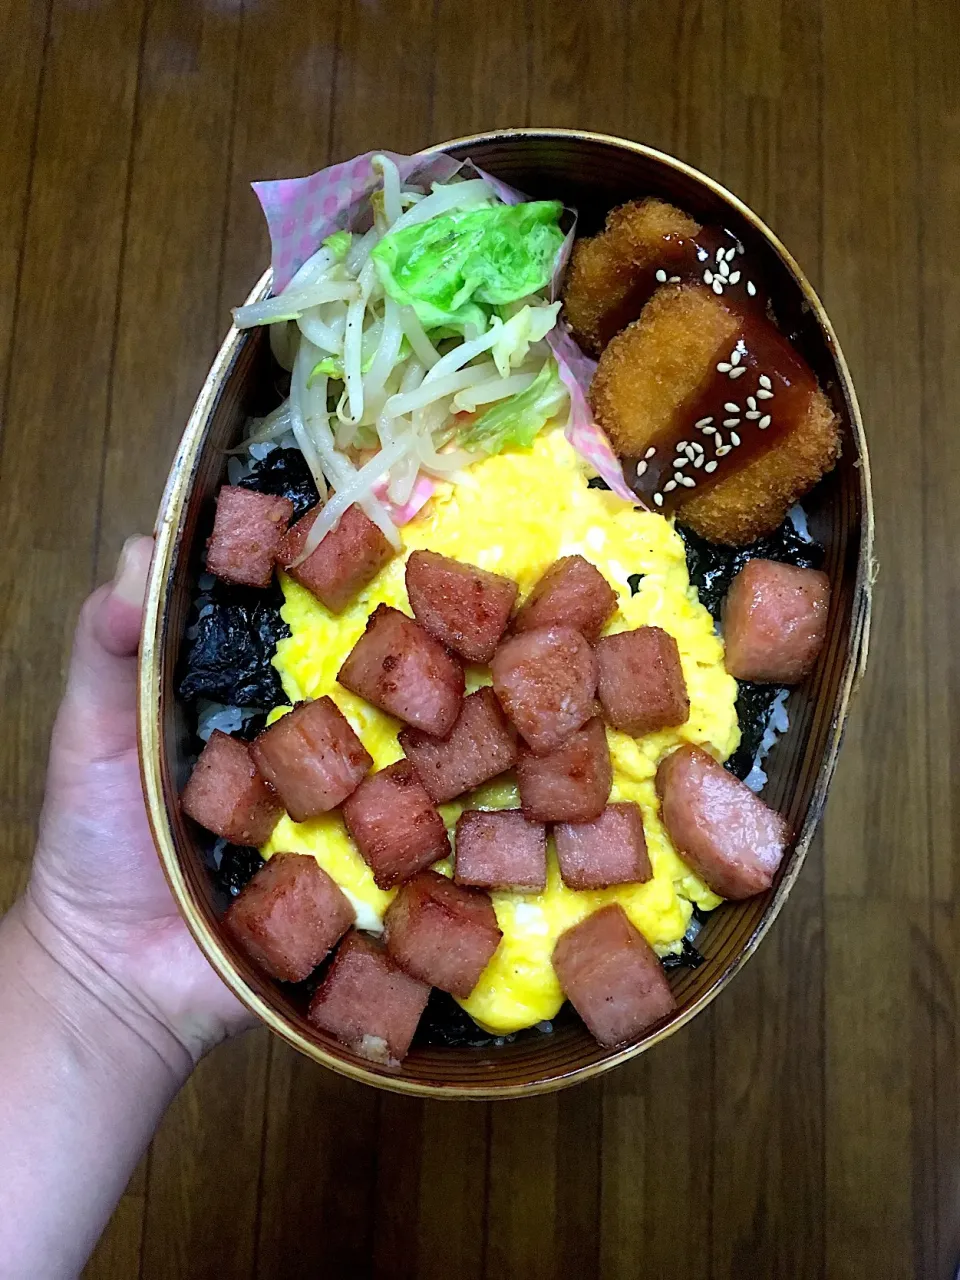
<point x="515" y="513"/>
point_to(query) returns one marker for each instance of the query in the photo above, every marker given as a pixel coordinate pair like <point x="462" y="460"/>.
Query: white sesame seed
<point x="723" y="451"/>
<point x="688" y="482"/>
<point x="681" y="444"/>
<point x="650" y="452"/>
<point x="763" y="394"/>
<point x="698" y="461"/>
<point x="751" y="402"/>
<point x="678" y="475"/>
<point x="711" y="467"/>
<point x="674" y="279"/>
<point x="740" y="248"/>
<point x="751" y="289"/>
<point x="764" y="422"/>
<point x="708" y="431"/>
<point x="662" y="276"/>
<point x="734" y="277"/>
<point x="708" y="277"/>
<point x="752" y="415"/>
<point x="736" y="355"/>
<point x="691" y="452"/>
<point x="717" y="286"/>
<point x="731" y="422"/>
<point x="720" y="255"/>
<point x="731" y="254"/>
<point x="697" y="448"/>
<point x="735" y="373"/>
<point x="723" y="367"/>
<point x="765" y="381"/>
<point x="669" y="486"/>
<point x="703" y="422"/>
<point x="731" y="407"/>
<point x="641" y="469"/>
<point x="658" y="499"/>
<point x="734" y="439"/>
<point x="724" y="268"/>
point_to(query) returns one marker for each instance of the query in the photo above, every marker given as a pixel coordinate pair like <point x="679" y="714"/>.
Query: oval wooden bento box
<point x="592" y="173"/>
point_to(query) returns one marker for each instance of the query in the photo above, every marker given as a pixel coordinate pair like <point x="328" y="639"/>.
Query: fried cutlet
<point x="606" y="270"/>
<point x="655" y="390"/>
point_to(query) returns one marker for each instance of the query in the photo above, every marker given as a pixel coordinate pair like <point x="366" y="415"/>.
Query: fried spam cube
<point x="641" y="685"/>
<point x="463" y="607"/>
<point x="394" y="825"/>
<point x="247" y="534"/>
<point x="289" y="916"/>
<point x="571" y="784"/>
<point x="546" y="682"/>
<point x="612" y="977"/>
<point x="572" y="593"/>
<point x="404" y="671"/>
<point x="312" y="758"/>
<point x="349" y="557"/>
<point x="775" y="622"/>
<point x="610" y="850"/>
<point x="441" y="933"/>
<point x="732" y="840"/>
<point x="227" y="795"/>
<point x="368" y="1002"/>
<point x="500" y="849"/>
<point x="479" y="746"/>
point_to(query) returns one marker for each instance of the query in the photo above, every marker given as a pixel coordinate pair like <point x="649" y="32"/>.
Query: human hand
<point x="97" y="899"/>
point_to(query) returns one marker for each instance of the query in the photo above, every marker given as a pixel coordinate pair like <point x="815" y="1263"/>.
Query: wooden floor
<point x="808" y="1124"/>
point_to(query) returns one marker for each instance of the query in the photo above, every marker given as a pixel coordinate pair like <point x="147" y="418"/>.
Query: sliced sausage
<point x="775" y="622"/>
<point x="572" y="593"/>
<point x="546" y="681"/>
<point x="571" y="784"/>
<point x="289" y="916"/>
<point x="368" y="1002"/>
<point x="500" y="849"/>
<point x="610" y="850"/>
<point x="394" y="825"/>
<point x="247" y="533"/>
<point x="349" y="557"/>
<point x="405" y="672"/>
<point x="312" y="758"/>
<point x="440" y="933"/>
<point x="733" y="841"/>
<point x="641" y="683"/>
<point x="227" y="795"/>
<point x="464" y="607"/>
<point x="479" y="746"/>
<point x="612" y="977"/>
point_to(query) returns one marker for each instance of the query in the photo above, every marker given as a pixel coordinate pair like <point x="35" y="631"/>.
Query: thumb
<point x="98" y="715"/>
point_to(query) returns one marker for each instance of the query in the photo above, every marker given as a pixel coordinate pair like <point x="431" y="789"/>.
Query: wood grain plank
<point x="578" y="64"/>
<point x="469" y="94"/>
<point x="399" y="1147"/>
<point x="521" y="1190"/>
<point x="453" y="1186"/>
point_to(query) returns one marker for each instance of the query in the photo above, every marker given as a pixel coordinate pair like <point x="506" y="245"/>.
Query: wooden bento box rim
<point x="167" y="531"/>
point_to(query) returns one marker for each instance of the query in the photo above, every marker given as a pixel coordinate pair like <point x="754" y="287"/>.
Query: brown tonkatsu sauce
<point x="757" y="391"/>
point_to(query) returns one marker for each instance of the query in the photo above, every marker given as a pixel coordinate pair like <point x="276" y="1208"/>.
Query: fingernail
<point x="130" y="579"/>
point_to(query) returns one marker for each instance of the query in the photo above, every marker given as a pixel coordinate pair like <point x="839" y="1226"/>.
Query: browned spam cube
<point x="479" y="746"/>
<point x="641" y="684"/>
<point x="612" y="977"/>
<point x="348" y="557"/>
<point x="402" y="670"/>
<point x="368" y="1002"/>
<point x="312" y="757"/>
<point x="394" y="825"/>
<point x="546" y="682"/>
<point x="775" y="622"/>
<point x="610" y="850"/>
<point x="464" y="607"/>
<point x="247" y="533"/>
<point x="732" y="840"/>
<point x="500" y="849"/>
<point x="571" y="784"/>
<point x="572" y="593"/>
<point x="440" y="933"/>
<point x="289" y="916"/>
<point x="227" y="795"/>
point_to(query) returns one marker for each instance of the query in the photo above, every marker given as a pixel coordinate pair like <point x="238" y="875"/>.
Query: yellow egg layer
<point x="515" y="514"/>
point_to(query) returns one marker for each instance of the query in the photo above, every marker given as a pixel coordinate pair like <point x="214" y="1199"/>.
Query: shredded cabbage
<point x="529" y="325"/>
<point x="339" y="244"/>
<point x="453" y="266"/>
<point x="517" y="421"/>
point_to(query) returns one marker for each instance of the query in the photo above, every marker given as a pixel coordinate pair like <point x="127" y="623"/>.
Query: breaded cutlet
<point x="605" y="269"/>
<point x="659" y="365"/>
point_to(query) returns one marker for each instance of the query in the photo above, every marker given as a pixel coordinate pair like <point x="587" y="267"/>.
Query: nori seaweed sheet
<point x="238" y="865"/>
<point x="229" y="659"/>
<point x="445" y="1025"/>
<point x="284" y="472"/>
<point x="753" y="711"/>
<point x="688" y="958"/>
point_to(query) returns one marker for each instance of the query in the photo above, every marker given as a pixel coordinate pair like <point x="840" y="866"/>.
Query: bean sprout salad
<point x="417" y="346"/>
